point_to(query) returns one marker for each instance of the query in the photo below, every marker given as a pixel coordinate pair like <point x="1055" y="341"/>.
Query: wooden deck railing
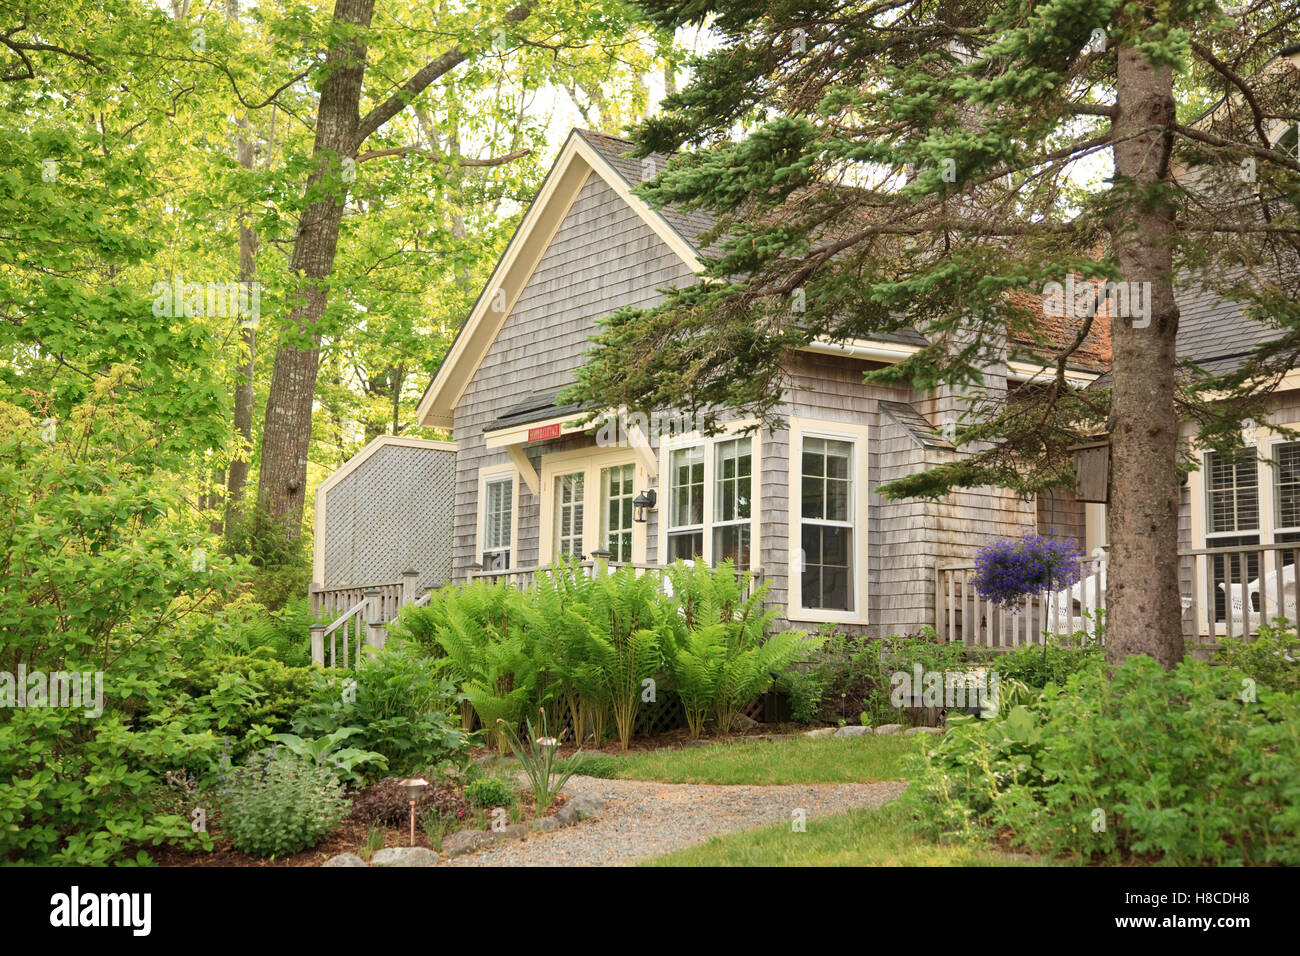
<point x="1225" y="591"/>
<point x="527" y="577"/>
<point x="361" y="615"/>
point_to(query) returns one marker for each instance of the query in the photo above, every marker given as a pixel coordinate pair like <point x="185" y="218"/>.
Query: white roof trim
<point x="576" y="162"/>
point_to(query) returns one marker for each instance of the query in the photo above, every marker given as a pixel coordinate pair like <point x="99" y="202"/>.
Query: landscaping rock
<point x="404" y="856"/>
<point x="913" y="731"/>
<point x="465" y="841"/>
<point x="345" y="859"/>
<point x="512" y="831"/>
<point x="887" y="729"/>
<point x="852" y="731"/>
<point x="587" y="804"/>
<point x="740" y="723"/>
<point x="820" y="732"/>
<point x="547" y="825"/>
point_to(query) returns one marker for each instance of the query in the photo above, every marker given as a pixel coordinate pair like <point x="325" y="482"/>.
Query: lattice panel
<point x="392" y="513"/>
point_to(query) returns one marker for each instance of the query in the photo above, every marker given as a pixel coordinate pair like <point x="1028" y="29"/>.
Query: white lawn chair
<point x="1239" y="595"/>
<point x="1088" y="595"/>
<point x="1266" y="587"/>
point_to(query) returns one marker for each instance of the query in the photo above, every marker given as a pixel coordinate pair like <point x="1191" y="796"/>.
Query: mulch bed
<point x="350" y="836"/>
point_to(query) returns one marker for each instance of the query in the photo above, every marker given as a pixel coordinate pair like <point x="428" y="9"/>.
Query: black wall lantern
<point x="644" y="503"/>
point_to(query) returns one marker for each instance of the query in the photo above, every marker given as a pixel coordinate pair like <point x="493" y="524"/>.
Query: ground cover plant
<point x="1199" y="765"/>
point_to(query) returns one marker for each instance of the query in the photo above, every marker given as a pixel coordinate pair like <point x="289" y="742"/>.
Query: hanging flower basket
<point x="1008" y="569"/>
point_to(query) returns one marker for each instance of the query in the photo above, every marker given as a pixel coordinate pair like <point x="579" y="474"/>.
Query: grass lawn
<point x="760" y="761"/>
<point x="856" y="838"/>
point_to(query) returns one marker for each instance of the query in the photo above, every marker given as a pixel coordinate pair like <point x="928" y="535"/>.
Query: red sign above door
<point x="544" y="433"/>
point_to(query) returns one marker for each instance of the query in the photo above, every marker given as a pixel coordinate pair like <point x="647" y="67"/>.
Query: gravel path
<point x="642" y="819"/>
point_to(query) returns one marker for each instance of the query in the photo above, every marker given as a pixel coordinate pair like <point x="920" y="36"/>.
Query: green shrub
<point x="400" y="706"/>
<point x="598" y="765"/>
<point x="99" y="556"/>
<point x="718" y="652"/>
<point x="1049" y="663"/>
<point x="238" y="693"/>
<point x="805" y="690"/>
<point x="484" y="638"/>
<point x="1174" y="767"/>
<point x="1272" y="659"/>
<point x="279" y="803"/>
<point x="491" y="792"/>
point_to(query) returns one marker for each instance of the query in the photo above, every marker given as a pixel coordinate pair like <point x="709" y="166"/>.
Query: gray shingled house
<point x="798" y="507"/>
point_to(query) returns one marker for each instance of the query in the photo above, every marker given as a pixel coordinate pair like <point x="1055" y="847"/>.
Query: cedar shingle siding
<point x="603" y="257"/>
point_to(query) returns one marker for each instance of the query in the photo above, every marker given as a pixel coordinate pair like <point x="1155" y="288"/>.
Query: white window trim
<point x="801" y="428"/>
<point x="1270" y="479"/>
<point x="589" y="461"/>
<point x="491" y="473"/>
<point x="709" y="443"/>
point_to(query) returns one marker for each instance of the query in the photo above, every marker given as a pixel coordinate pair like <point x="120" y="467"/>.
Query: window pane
<point x="497" y="508"/>
<point x="568" y="513"/>
<point x="827" y="575"/>
<point x="1288" y="485"/>
<point x="732" y="459"/>
<point x="685" y="545"/>
<point x="1232" y="497"/>
<point x="731" y="543"/>
<point x="687" y="492"/>
<point x="617" y="509"/>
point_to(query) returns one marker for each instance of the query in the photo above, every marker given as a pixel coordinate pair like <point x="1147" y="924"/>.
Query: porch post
<point x="318" y="644"/>
<point x="410" y="583"/>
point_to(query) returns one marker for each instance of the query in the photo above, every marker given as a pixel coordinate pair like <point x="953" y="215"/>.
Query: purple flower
<point x="1008" y="569"/>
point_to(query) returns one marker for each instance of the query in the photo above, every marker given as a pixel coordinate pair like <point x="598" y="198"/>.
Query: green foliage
<point x="243" y="627"/>
<point x="248" y="697"/>
<point x="1053" y="662"/>
<point x="491" y="792"/>
<point x="1179" y="767"/>
<point x="593" y="646"/>
<point x="599" y="765"/>
<point x="399" y="706"/>
<point x="804" y="691"/>
<point x="281" y="564"/>
<point x="280" y="803"/>
<point x="97" y="563"/>
<point x="547" y="774"/>
<point x="486" y="647"/>
<point x="625" y="619"/>
<point x="1271" y="659"/>
<point x="719" y="656"/>
<point x="328" y="750"/>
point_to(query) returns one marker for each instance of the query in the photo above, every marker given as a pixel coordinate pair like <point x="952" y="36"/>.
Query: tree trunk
<point x="237" y="476"/>
<point x="1144" y="613"/>
<point x="286" y="436"/>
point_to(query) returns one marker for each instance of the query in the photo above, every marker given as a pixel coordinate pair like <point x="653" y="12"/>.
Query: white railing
<point x="1225" y="592"/>
<point x="524" y="578"/>
<point x="361" y="614"/>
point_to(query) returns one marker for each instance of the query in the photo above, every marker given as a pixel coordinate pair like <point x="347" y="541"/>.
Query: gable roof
<point x="584" y="155"/>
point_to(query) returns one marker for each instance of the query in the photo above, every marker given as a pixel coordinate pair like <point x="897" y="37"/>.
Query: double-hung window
<point x="685" y="534"/>
<point x="1232" y="519"/>
<point x="498" y="522"/>
<point x="826" y="532"/>
<point x="733" y="479"/>
<point x="708" y="510"/>
<point x="569" y="506"/>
